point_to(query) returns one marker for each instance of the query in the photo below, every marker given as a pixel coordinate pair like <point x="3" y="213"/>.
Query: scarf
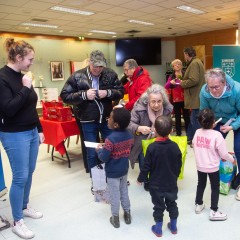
<point x="153" y="115"/>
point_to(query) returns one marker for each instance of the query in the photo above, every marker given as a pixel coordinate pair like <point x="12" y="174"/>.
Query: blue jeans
<point x="90" y="133"/>
<point x="236" y="142"/>
<point x="22" y="150"/>
<point x="193" y="125"/>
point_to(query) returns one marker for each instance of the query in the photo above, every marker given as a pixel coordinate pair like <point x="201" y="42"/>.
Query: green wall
<point x="47" y="50"/>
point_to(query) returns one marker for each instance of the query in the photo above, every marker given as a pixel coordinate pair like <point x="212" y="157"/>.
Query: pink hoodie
<point x="209" y="147"/>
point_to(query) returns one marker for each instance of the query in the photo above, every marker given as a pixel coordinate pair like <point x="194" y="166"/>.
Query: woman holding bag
<point x="152" y="104"/>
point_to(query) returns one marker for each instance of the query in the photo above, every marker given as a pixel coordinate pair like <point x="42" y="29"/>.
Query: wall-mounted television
<point x="146" y="51"/>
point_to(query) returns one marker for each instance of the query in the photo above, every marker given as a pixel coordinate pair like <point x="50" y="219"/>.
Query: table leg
<point x="69" y="162"/>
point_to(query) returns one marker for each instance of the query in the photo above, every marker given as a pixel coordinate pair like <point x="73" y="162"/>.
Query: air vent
<point x="38" y="20"/>
<point x="133" y="31"/>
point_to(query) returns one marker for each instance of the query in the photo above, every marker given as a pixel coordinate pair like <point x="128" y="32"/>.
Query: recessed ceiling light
<point x="140" y="22"/>
<point x="100" y="31"/>
<point x="39" y="25"/>
<point x="190" y="9"/>
<point x="70" y="10"/>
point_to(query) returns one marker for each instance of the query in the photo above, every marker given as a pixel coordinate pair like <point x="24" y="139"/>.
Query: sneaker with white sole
<point x="238" y="193"/>
<point x="20" y="229"/>
<point x="32" y="213"/>
<point x="217" y="216"/>
<point x="199" y="208"/>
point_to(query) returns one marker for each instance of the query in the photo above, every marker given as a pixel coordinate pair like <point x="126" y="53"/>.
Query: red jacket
<point x="139" y="83"/>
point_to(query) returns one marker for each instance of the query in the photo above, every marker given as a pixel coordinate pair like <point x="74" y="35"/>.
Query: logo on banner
<point x="228" y="66"/>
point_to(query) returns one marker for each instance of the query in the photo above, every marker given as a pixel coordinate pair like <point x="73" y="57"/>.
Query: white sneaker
<point x="32" y="213"/>
<point x="20" y="229"/>
<point x="238" y="193"/>
<point x="199" y="208"/>
<point x="217" y="216"/>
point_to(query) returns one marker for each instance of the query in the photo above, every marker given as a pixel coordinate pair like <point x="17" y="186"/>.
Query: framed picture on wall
<point x="57" y="71"/>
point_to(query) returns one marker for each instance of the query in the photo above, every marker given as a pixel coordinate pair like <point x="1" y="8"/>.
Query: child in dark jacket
<point x="163" y="163"/>
<point x="115" y="152"/>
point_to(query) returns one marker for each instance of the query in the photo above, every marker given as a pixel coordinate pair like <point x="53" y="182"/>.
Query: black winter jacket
<point x="74" y="92"/>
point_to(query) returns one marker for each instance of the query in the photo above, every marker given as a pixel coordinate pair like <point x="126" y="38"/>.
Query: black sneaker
<point x="127" y="217"/>
<point x="114" y="220"/>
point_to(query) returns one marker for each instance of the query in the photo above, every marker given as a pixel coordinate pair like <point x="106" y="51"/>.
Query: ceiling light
<point x="140" y="22"/>
<point x="70" y="10"/>
<point x="105" y="32"/>
<point x="39" y="25"/>
<point x="190" y="9"/>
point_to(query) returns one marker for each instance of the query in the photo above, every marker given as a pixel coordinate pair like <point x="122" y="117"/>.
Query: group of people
<point x="91" y="91"/>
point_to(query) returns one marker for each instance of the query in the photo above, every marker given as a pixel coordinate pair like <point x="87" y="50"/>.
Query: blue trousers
<point x="22" y="150"/>
<point x="193" y="125"/>
<point x="90" y="133"/>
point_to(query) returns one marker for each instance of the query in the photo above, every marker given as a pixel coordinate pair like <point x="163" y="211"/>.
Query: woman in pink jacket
<point x="177" y="96"/>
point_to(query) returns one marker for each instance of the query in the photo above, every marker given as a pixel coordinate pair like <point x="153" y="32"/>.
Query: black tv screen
<point x="146" y="51"/>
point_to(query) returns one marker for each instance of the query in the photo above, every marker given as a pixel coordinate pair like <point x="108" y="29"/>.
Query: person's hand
<point x="235" y="162"/>
<point x="173" y="82"/>
<point x="225" y="129"/>
<point x="144" y="130"/>
<point x="91" y="94"/>
<point x="99" y="146"/>
<point x="102" y="93"/>
<point x="27" y="81"/>
<point x="139" y="183"/>
<point x="41" y="137"/>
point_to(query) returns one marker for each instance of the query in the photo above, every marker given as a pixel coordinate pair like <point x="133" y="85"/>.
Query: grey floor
<point x="63" y="195"/>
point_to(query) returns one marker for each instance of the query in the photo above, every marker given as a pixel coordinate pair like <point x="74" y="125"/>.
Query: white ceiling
<point x="113" y="15"/>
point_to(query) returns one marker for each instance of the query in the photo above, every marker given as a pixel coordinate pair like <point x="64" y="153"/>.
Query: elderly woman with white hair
<point x="152" y="104"/>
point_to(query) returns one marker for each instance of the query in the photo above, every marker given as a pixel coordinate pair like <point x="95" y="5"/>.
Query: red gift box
<point x="60" y="114"/>
<point x="46" y="105"/>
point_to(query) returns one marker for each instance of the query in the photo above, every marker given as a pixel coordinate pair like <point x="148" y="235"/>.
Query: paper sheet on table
<point x="91" y="144"/>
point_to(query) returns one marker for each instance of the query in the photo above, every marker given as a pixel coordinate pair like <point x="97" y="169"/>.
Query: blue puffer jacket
<point x="227" y="106"/>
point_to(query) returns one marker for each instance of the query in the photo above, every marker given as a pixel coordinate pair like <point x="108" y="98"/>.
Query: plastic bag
<point x="100" y="189"/>
<point x="227" y="172"/>
<point x="182" y="144"/>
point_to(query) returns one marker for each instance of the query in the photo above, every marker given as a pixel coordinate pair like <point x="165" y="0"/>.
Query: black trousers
<point x="164" y="201"/>
<point x="179" y="110"/>
<point x="215" y="182"/>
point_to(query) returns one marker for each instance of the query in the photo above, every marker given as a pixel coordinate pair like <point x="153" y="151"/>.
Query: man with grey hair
<point x="91" y="91"/>
<point x="139" y="82"/>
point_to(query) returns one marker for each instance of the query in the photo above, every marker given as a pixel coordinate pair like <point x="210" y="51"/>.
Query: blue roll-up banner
<point x="228" y="58"/>
<point x="3" y="188"/>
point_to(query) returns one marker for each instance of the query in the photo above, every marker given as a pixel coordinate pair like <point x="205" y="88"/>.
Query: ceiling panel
<point x="114" y="15"/>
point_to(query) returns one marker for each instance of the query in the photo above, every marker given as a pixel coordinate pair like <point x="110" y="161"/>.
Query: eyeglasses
<point x="214" y="87"/>
<point x="155" y="102"/>
<point x="127" y="69"/>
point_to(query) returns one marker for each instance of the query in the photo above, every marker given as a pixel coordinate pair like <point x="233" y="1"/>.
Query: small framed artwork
<point x="57" y="71"/>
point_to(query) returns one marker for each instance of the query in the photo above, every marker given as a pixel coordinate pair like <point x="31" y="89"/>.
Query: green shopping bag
<point x="182" y="144"/>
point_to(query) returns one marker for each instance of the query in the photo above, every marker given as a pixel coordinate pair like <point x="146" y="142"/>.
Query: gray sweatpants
<point x="118" y="191"/>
